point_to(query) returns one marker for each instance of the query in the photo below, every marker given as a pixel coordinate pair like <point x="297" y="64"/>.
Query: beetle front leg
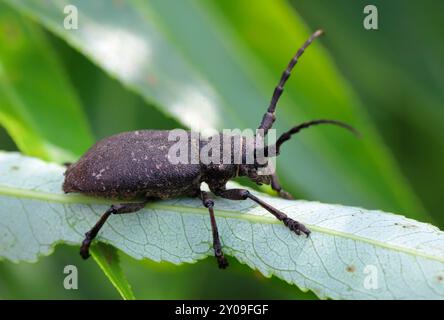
<point x="209" y="203"/>
<point x="114" y="209"/>
<point x="275" y="185"/>
<point x="243" y="194"/>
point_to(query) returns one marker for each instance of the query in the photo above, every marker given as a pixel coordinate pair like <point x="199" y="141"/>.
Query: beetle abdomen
<point x="132" y="164"/>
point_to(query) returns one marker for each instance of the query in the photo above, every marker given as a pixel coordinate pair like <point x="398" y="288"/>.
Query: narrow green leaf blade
<point x="352" y="253"/>
<point x="107" y="257"/>
<point x="35" y="94"/>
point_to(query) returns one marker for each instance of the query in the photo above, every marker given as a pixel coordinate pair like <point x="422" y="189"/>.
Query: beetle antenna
<point x="269" y="117"/>
<point x="287" y="135"/>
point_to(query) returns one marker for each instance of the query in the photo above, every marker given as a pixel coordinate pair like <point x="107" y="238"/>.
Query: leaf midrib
<point x="80" y="199"/>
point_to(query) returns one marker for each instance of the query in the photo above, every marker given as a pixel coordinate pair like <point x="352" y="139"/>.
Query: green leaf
<point x="352" y="253"/>
<point x="34" y="96"/>
<point x="107" y="257"/>
<point x="214" y="64"/>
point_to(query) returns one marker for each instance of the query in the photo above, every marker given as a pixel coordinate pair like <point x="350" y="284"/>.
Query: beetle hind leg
<point x="208" y="203"/>
<point x="114" y="209"/>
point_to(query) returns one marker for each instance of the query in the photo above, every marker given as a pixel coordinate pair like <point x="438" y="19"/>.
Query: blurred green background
<point x="61" y="90"/>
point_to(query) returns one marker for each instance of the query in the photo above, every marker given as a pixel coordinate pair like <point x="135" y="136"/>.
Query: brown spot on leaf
<point x="351" y="268"/>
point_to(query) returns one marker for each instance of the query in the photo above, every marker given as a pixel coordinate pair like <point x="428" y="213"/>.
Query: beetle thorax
<point x="224" y="157"/>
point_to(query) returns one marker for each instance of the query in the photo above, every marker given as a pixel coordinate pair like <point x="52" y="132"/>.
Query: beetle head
<point x="258" y="171"/>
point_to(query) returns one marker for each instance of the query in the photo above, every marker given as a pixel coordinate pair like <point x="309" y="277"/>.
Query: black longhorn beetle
<point x="133" y="165"/>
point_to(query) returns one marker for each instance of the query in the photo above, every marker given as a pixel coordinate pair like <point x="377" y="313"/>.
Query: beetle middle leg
<point x="243" y="194"/>
<point x="209" y="203"/>
<point x="114" y="209"/>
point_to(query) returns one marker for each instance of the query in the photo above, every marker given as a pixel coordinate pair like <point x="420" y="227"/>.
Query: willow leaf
<point x="352" y="253"/>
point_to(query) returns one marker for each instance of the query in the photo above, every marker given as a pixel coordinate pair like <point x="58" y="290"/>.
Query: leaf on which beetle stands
<point x="351" y="253"/>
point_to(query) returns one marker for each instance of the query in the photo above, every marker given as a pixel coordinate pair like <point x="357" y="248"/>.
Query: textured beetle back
<point x="132" y="164"/>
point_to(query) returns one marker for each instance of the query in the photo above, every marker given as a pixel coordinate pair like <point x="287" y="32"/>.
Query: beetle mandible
<point x="133" y="165"/>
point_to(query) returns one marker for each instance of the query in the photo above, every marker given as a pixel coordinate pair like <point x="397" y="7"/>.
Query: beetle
<point x="133" y="165"/>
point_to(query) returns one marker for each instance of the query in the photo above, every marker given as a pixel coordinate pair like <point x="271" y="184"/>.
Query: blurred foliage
<point x="240" y="50"/>
<point x="44" y="280"/>
<point x="398" y="73"/>
<point x="29" y="69"/>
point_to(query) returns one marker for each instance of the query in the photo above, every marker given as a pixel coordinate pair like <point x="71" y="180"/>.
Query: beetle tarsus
<point x="218" y="253"/>
<point x="285" y="195"/>
<point x="84" y="250"/>
<point x="295" y="226"/>
<point x="222" y="262"/>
